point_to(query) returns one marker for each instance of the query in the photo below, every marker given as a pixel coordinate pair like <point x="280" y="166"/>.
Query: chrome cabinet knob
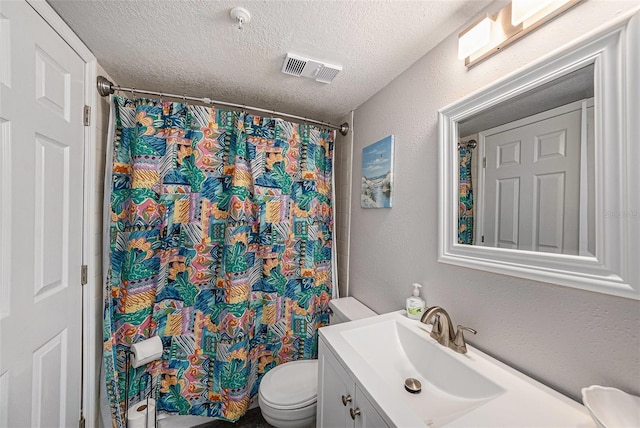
<point x="354" y="412"/>
<point x="346" y="399"/>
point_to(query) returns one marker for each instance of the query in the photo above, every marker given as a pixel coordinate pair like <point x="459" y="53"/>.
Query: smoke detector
<point x="240" y="15"/>
<point x="300" y="66"/>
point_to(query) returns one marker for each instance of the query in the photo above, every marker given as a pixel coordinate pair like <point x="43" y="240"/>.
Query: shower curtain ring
<point x="133" y="92"/>
<point x="161" y="98"/>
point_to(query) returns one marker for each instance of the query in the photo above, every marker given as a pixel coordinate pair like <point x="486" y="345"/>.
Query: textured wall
<point x="564" y="337"/>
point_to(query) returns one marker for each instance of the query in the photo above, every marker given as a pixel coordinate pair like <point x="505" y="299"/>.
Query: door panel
<point x="549" y="212"/>
<point x="41" y="155"/>
<point x="508" y="210"/>
<point x="52" y="216"/>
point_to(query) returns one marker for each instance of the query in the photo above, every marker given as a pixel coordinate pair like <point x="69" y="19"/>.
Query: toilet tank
<point x="348" y="309"/>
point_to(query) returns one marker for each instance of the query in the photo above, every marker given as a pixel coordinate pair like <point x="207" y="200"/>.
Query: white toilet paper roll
<point x="141" y="412"/>
<point x="146" y="351"/>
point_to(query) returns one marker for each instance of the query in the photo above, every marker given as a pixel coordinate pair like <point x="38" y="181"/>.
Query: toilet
<point x="288" y="393"/>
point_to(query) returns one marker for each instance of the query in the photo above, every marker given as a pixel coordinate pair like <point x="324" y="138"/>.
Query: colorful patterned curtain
<point x="465" y="212"/>
<point x="220" y="244"/>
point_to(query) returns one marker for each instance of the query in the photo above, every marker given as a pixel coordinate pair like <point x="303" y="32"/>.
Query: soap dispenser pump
<point x="415" y="304"/>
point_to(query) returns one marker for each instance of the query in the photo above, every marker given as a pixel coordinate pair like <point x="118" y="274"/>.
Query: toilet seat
<point x="290" y="386"/>
<point x="288" y="394"/>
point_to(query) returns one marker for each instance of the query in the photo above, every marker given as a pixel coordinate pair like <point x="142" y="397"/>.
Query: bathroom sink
<point x="450" y="388"/>
<point x="458" y="390"/>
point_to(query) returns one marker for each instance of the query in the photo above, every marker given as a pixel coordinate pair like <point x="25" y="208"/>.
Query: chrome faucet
<point x="442" y="330"/>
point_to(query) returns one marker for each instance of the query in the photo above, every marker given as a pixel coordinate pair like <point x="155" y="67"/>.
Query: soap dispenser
<point x="415" y="304"/>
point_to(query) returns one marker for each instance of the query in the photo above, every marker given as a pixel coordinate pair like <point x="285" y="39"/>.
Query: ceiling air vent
<point x="294" y="66"/>
<point x="305" y="67"/>
<point x="327" y="73"/>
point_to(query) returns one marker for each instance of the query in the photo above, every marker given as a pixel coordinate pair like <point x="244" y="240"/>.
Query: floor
<point x="252" y="419"/>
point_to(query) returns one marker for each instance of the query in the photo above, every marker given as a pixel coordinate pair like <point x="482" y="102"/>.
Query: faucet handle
<point x="436" y="330"/>
<point x="459" y="344"/>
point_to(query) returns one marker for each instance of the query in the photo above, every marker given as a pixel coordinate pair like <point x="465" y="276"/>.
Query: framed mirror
<point x="539" y="171"/>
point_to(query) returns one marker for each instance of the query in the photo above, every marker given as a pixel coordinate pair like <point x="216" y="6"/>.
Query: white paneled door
<point x="532" y="184"/>
<point x="41" y="161"/>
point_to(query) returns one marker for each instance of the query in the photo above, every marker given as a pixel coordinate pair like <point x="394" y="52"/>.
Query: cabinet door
<point x="368" y="417"/>
<point x="333" y="384"/>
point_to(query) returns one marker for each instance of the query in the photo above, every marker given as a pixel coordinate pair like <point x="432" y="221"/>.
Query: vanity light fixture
<point x="494" y="32"/>
<point x="522" y="10"/>
<point x="474" y="37"/>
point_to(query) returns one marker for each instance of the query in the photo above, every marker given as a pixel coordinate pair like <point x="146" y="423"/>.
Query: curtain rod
<point x="106" y="87"/>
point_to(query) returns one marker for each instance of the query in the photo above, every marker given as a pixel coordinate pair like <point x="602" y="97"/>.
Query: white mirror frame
<point x="615" y="269"/>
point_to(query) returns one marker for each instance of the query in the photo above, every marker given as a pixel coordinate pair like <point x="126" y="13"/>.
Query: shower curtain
<point x="465" y="186"/>
<point x="220" y="244"/>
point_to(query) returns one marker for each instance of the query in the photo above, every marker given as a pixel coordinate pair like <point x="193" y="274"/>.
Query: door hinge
<point x="86" y="115"/>
<point x="482" y="238"/>
<point x="83" y="275"/>
<point x="81" y="422"/>
<point x="484" y="162"/>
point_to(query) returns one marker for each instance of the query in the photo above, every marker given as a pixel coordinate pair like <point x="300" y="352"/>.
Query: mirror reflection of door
<point x="532" y="182"/>
<point x="529" y="184"/>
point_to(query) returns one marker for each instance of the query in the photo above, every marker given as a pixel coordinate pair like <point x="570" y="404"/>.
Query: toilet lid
<point x="291" y="385"/>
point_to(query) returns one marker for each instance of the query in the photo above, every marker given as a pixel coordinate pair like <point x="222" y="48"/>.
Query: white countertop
<point x="520" y="401"/>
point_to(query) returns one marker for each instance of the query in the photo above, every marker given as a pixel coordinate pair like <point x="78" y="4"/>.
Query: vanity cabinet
<point x="367" y="416"/>
<point x="341" y="401"/>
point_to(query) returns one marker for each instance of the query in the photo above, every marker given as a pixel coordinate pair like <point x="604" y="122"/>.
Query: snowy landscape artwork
<point x="377" y="174"/>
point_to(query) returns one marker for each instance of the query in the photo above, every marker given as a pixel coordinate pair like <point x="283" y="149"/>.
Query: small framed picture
<point x="377" y="174"/>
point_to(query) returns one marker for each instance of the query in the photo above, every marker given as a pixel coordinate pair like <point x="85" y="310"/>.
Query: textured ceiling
<point x="194" y="48"/>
